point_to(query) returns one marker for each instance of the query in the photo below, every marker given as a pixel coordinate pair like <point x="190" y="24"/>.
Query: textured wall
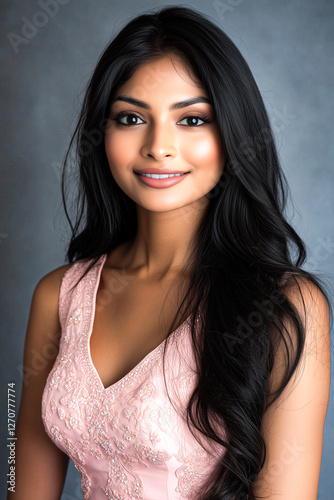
<point x="48" y="55"/>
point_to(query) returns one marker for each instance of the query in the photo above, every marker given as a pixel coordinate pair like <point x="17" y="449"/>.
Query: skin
<point x="168" y="217"/>
<point x="293" y="426"/>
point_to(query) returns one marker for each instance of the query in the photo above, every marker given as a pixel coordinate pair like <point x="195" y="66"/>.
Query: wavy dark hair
<point x="243" y="248"/>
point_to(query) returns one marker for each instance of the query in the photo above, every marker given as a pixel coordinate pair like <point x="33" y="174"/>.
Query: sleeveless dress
<point x="129" y="440"/>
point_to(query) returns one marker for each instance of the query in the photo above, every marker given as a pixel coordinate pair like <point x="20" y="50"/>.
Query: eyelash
<point x="120" y="115"/>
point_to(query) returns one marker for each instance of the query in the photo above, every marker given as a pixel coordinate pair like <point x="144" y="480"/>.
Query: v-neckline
<point x="139" y="367"/>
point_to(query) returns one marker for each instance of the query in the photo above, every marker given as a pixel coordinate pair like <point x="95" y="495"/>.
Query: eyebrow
<point x="176" y="105"/>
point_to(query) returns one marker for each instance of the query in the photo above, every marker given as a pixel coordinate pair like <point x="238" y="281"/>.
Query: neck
<point x="164" y="240"/>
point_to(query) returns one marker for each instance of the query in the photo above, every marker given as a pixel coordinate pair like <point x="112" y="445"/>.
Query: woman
<point x="233" y="405"/>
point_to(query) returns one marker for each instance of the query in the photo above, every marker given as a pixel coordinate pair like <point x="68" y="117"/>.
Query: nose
<point x="159" y="142"/>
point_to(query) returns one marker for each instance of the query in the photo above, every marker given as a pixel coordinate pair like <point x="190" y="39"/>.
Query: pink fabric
<point x="127" y="440"/>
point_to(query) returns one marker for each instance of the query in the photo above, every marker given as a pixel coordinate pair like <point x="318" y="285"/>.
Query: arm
<point x="40" y="466"/>
<point x="293" y="425"/>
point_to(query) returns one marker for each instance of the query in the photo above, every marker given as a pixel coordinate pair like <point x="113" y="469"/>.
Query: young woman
<point x="185" y="350"/>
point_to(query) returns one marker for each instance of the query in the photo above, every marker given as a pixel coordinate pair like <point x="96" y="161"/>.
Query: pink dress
<point x="128" y="441"/>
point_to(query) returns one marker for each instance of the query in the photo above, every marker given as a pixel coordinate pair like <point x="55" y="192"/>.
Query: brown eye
<point x="192" y="121"/>
<point x="130" y="119"/>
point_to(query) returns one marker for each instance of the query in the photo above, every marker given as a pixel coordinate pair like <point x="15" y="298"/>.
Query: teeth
<point x="157" y="176"/>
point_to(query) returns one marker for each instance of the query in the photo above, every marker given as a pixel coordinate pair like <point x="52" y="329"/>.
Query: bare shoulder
<point x="50" y="282"/>
<point x="46" y="292"/>
<point x="44" y="315"/>
<point x="43" y="329"/>
<point x="311" y="305"/>
<point x="293" y="426"/>
<point x="314" y="313"/>
<point x="297" y="284"/>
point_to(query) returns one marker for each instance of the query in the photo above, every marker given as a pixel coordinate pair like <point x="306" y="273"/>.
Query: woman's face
<point x="164" y="133"/>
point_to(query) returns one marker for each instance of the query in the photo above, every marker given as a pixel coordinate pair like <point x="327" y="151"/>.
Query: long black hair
<point x="244" y="246"/>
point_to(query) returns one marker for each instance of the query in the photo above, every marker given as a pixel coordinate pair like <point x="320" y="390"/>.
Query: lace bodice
<point x="128" y="441"/>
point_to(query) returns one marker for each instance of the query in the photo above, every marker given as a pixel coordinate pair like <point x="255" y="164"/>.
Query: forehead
<point x="164" y="76"/>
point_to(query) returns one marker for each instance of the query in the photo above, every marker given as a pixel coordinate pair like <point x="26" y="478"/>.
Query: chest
<point x="127" y="437"/>
<point x="132" y="317"/>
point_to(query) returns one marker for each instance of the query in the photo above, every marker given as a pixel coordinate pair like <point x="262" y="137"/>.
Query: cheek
<point x="119" y="157"/>
<point x="117" y="150"/>
<point x="206" y="152"/>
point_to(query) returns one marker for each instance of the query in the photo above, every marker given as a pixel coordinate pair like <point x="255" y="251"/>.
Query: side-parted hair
<point x="244" y="246"/>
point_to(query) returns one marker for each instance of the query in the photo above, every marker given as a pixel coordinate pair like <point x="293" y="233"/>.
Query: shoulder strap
<point x="66" y="294"/>
<point x="71" y="299"/>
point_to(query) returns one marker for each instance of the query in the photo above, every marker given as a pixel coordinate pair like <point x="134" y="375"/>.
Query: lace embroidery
<point x="128" y="427"/>
<point x="192" y="472"/>
<point x="85" y="481"/>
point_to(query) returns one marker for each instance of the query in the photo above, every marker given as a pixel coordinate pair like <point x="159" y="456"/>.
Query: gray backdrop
<point x="48" y="54"/>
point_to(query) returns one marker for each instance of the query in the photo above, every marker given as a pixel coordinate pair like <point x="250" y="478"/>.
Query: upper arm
<point x="39" y="465"/>
<point x="293" y="425"/>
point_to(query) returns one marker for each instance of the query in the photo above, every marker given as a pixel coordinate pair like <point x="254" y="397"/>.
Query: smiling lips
<point x="160" y="178"/>
<point x="158" y="171"/>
